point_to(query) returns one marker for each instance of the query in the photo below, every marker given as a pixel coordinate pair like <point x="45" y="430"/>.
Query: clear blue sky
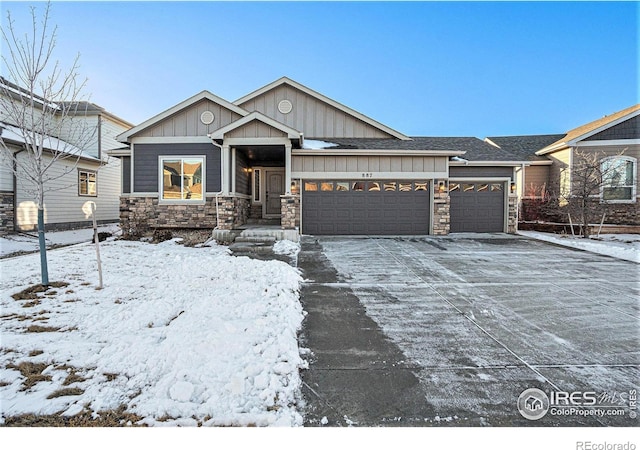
<point x="423" y="68"/>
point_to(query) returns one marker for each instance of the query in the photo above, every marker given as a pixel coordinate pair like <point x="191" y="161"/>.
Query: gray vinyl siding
<point x="379" y="165"/>
<point x="243" y="178"/>
<point x="535" y="178"/>
<point x="187" y="122"/>
<point x="145" y="177"/>
<point x="310" y="115"/>
<point x="126" y="174"/>
<point x="480" y="172"/>
<point x="629" y="129"/>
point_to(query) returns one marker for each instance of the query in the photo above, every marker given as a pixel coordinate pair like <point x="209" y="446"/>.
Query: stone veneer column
<point x="7" y="212"/>
<point x="290" y="212"/>
<point x="512" y="218"/>
<point x="441" y="215"/>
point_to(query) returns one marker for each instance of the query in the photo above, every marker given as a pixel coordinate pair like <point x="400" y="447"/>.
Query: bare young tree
<point x="41" y="114"/>
<point x="580" y="199"/>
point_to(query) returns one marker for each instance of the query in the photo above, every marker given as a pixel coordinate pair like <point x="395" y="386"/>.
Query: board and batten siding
<point x="255" y="129"/>
<point x="63" y="205"/>
<point x="145" y="163"/>
<point x="374" y="166"/>
<point x="187" y="122"/>
<point x="310" y="115"/>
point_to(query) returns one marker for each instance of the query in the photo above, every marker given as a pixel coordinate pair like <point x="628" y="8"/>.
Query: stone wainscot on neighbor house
<point x="290" y="155"/>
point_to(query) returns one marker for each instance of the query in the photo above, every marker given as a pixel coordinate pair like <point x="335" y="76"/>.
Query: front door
<point x="274" y="188"/>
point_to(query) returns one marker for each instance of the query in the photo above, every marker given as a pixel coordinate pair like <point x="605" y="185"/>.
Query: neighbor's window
<point x="618" y="178"/>
<point x="182" y="179"/>
<point x="87" y="183"/>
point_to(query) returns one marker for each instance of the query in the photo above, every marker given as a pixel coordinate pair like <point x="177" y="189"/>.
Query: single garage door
<point x="476" y="207"/>
<point x="365" y="207"/>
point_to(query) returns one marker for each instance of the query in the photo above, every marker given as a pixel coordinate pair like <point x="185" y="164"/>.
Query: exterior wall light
<point x="295" y="187"/>
<point x="442" y="186"/>
<point x="513" y="187"/>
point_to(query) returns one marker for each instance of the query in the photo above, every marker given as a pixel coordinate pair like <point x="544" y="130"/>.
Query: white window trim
<point x="165" y="201"/>
<point x="634" y="184"/>
<point x="95" y="173"/>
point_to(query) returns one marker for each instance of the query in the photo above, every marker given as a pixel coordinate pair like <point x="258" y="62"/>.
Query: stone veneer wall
<point x="139" y="215"/>
<point x="512" y="218"/>
<point x="617" y="213"/>
<point x="441" y="215"/>
<point x="7" y="212"/>
<point x="290" y="212"/>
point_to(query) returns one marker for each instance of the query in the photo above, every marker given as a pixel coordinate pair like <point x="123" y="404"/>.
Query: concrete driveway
<point x="451" y="330"/>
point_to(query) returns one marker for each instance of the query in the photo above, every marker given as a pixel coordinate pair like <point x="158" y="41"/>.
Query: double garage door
<point x="365" y="207"/>
<point x="476" y="207"/>
<point x="398" y="207"/>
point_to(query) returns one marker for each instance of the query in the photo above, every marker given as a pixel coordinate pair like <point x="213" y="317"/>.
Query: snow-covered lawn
<point x="179" y="335"/>
<point x="621" y="246"/>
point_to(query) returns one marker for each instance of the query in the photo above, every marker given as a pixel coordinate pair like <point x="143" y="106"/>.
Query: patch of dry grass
<point x="32" y="372"/>
<point x="33" y="353"/>
<point x="38" y="290"/>
<point x="64" y="392"/>
<point x="109" y="418"/>
<point x="40" y="329"/>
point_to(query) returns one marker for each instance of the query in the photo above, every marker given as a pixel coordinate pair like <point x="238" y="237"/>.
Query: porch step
<point x="256" y="239"/>
<point x="245" y="248"/>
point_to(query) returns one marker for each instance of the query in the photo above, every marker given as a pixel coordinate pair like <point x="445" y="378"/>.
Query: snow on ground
<point x="179" y="335"/>
<point x="28" y="242"/>
<point x="285" y="247"/>
<point x="621" y="246"/>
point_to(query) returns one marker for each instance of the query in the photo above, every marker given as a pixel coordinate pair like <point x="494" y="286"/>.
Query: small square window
<point x="483" y="187"/>
<point x="420" y="186"/>
<point x="342" y="186"/>
<point x="405" y="187"/>
<point x="390" y="186"/>
<point x="326" y="186"/>
<point x="468" y="187"/>
<point x="358" y="186"/>
<point x="87" y="183"/>
<point x="310" y="186"/>
<point x="496" y="187"/>
<point x="374" y="186"/>
<point x="454" y="187"/>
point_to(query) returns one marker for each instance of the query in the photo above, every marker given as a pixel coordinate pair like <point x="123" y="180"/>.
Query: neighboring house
<point x="93" y="176"/>
<point x="614" y="138"/>
<point x="292" y="155"/>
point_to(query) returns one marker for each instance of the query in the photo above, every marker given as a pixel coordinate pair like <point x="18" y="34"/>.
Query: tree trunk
<point x="44" y="270"/>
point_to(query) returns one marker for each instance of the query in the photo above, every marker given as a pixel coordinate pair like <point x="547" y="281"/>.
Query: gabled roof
<point x="525" y="147"/>
<point x="290" y="132"/>
<point x="179" y="107"/>
<point x="591" y="128"/>
<point x="322" y="98"/>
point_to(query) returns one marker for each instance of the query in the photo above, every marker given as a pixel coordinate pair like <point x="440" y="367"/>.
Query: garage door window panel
<point x="342" y="186"/>
<point x="310" y="186"/>
<point x="496" y="187"/>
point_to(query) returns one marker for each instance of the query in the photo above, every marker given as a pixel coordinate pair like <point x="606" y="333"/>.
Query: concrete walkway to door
<point x="449" y="331"/>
